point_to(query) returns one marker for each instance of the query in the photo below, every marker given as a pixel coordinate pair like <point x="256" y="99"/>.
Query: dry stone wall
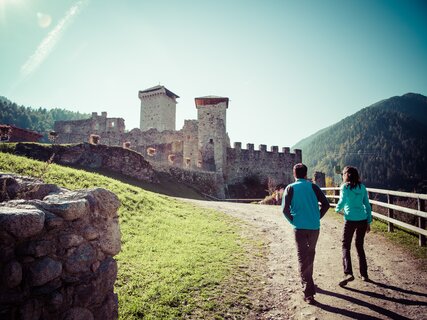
<point x="56" y="251"/>
<point x="115" y="159"/>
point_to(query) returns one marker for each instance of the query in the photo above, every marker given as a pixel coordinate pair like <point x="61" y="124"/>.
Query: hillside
<point x="177" y="260"/>
<point x="40" y="120"/>
<point x="386" y="141"/>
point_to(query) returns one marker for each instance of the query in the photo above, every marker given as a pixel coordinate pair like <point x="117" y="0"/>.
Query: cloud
<point x="49" y="42"/>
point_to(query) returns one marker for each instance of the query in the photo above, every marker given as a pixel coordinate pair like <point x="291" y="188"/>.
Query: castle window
<point x="187" y="162"/>
<point x="188" y="137"/>
<point x="210" y="140"/>
<point x="151" y="151"/>
<point x="171" y="158"/>
<point x="199" y="163"/>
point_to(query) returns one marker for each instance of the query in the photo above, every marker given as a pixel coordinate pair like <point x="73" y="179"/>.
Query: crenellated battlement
<point x="263" y="148"/>
<point x="265" y="165"/>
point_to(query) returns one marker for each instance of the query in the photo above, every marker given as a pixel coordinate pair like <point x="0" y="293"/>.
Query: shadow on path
<point x="355" y="315"/>
<point x="387" y="286"/>
<point x="345" y="312"/>
<point x="385" y="297"/>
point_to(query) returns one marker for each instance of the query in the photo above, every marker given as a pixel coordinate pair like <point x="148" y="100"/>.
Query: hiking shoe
<point x="347" y="278"/>
<point x="310" y="300"/>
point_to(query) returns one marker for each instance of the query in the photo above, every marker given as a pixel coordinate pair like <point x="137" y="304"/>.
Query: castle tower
<point x="158" y="109"/>
<point x="213" y="139"/>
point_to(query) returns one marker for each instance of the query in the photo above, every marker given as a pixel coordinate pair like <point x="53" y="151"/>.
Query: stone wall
<point x="115" y="159"/>
<point x="263" y="164"/>
<point x="110" y="130"/>
<point x="209" y="183"/>
<point x="201" y="145"/>
<point x="190" y="148"/>
<point x="56" y="251"/>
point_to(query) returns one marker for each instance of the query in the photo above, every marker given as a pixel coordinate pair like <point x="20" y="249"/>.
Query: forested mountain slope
<point x="387" y="141"/>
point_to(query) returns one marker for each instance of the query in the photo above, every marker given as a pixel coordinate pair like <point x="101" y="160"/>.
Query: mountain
<point x="40" y="120"/>
<point x="386" y="141"/>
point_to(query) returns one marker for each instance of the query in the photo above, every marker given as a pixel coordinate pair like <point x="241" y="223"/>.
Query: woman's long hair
<point x="353" y="179"/>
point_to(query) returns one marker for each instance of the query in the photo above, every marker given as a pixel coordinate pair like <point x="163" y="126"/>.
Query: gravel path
<point x="398" y="289"/>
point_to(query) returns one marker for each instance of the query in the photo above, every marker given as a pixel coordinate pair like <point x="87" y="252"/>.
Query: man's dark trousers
<point x="306" y="241"/>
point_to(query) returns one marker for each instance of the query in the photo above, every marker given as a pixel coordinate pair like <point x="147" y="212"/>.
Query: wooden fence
<point x="392" y="209"/>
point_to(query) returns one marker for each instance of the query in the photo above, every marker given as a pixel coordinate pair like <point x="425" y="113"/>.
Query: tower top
<point x="156" y="90"/>
<point x="210" y="100"/>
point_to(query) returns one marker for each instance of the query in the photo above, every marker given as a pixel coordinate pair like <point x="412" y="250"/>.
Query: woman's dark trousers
<point x="349" y="228"/>
<point x="306" y="241"/>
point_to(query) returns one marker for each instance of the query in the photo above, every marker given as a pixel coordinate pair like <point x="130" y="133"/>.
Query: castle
<point x="201" y="147"/>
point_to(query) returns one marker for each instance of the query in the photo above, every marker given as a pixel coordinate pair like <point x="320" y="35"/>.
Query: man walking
<point x="300" y="206"/>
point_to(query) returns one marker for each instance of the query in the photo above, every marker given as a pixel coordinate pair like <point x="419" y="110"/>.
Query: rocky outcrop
<point x="56" y="251"/>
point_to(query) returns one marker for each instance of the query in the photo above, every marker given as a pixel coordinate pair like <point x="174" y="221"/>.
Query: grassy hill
<point x="177" y="260"/>
<point x="386" y="141"/>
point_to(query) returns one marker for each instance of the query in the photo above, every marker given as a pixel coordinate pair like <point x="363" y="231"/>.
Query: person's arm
<point x="367" y="206"/>
<point x="340" y="204"/>
<point x="286" y="203"/>
<point x="324" y="203"/>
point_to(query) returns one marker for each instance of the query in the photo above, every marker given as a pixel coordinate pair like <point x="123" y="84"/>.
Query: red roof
<point x="210" y="100"/>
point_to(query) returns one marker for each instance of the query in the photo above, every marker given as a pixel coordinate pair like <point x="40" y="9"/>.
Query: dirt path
<point x="398" y="289"/>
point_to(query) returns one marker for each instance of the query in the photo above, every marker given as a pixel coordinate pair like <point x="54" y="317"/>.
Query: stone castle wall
<point x="261" y="163"/>
<point x="201" y="145"/>
<point x="111" y="130"/>
<point x="191" y="156"/>
<point x="56" y="251"/>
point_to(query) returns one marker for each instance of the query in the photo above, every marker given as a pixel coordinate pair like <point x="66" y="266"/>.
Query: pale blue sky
<point x="290" y="68"/>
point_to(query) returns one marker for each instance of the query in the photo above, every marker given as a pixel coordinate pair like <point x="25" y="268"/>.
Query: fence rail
<point x="390" y="218"/>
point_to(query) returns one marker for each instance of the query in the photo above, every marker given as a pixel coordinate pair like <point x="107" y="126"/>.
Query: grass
<point x="177" y="260"/>
<point x="401" y="237"/>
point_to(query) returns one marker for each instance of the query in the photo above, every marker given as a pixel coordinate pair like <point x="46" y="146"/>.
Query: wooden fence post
<point x="390" y="212"/>
<point x="421" y="222"/>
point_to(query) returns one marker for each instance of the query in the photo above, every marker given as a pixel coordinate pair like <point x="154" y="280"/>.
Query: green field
<point x="177" y="260"/>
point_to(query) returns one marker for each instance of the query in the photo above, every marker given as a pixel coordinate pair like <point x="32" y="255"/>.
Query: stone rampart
<point x="115" y="159"/>
<point x="263" y="164"/>
<point x="56" y="251"/>
<point x="110" y="130"/>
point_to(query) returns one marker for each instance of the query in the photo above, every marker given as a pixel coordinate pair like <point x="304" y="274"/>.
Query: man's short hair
<point x="300" y="171"/>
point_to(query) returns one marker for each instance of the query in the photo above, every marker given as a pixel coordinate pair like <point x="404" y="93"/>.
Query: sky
<point x="289" y="67"/>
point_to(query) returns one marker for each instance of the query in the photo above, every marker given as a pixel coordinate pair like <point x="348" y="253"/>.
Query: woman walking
<point x="354" y="203"/>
